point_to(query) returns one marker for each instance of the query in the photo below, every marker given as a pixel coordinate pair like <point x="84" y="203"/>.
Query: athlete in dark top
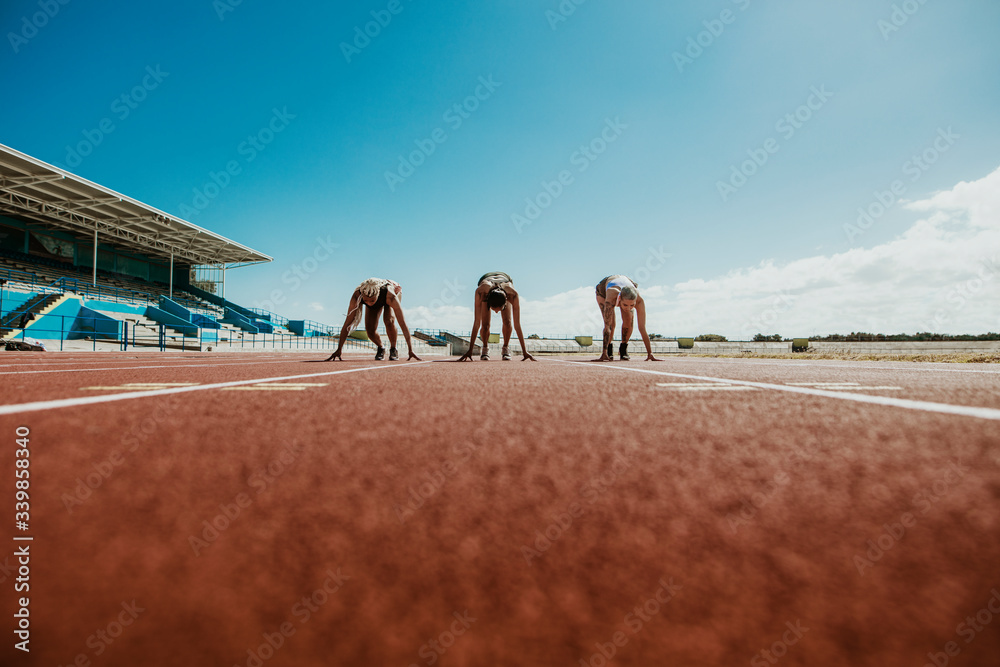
<point x="496" y="293"/>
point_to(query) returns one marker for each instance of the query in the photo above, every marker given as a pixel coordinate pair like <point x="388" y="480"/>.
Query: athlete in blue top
<point x="622" y="293"/>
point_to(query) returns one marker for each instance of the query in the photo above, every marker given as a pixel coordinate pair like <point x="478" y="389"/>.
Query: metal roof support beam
<point x="34" y="190"/>
<point x="21" y="181"/>
<point x="95" y="255"/>
<point x="84" y="204"/>
<point x="9" y="203"/>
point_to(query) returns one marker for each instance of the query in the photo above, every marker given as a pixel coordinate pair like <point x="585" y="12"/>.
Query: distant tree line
<point x="863" y="337"/>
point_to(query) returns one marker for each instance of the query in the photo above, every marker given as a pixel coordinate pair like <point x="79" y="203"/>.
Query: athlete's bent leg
<point x="626" y="335"/>
<point x="508" y="328"/>
<point x="484" y="334"/>
<point x="371" y="328"/>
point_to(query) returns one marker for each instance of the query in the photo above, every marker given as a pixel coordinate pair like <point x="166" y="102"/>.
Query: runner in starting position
<point x="377" y="294"/>
<point x="623" y="293"/>
<point x="496" y="292"/>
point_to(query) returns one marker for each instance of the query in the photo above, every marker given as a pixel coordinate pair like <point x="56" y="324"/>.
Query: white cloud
<point x="942" y="275"/>
<point x="316" y="306"/>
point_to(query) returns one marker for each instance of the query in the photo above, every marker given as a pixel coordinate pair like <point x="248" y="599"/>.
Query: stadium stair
<point x="35" y="308"/>
<point x="432" y="340"/>
<point x="52" y="275"/>
<point x="236" y="319"/>
<point x="459" y="345"/>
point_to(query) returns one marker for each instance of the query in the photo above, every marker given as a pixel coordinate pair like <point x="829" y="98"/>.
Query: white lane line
<point x="168" y="361"/>
<point x="876" y="387"/>
<point x="926" y="406"/>
<point x="141" y="386"/>
<point x="843" y="386"/>
<point x="78" y="363"/>
<point x="94" y="358"/>
<point x="139" y="368"/>
<point x="159" y="385"/>
<point x="110" y="398"/>
<point x="698" y="386"/>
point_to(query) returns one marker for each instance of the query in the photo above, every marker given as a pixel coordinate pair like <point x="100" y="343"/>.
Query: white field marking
<point x="926" y="406"/>
<point x="158" y="357"/>
<point x="698" y="386"/>
<point x="229" y="360"/>
<point x="719" y="388"/>
<point x="284" y="386"/>
<point x="843" y="386"/>
<point x="74" y="362"/>
<point x="110" y="398"/>
<point x="141" y="386"/>
<point x="138" y="368"/>
<point x="230" y="357"/>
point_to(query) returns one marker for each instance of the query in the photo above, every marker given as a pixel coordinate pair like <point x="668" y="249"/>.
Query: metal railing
<point x="121" y="294"/>
<point x="100" y="291"/>
<point x="323" y="329"/>
<point x="23" y="278"/>
<point x="35" y="331"/>
<point x="73" y="329"/>
<point x="273" y="318"/>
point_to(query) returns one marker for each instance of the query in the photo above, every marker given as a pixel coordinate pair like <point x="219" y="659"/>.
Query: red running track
<point x="503" y="513"/>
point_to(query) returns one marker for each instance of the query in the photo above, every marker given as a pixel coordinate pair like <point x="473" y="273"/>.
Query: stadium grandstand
<point x="84" y="267"/>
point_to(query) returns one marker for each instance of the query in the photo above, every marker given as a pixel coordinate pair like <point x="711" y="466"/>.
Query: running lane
<point x="511" y="514"/>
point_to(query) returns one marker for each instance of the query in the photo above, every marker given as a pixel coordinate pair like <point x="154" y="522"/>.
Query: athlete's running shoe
<point x="623" y="351"/>
<point x="611" y="351"/>
<point x="380" y="355"/>
<point x="506" y="354"/>
<point x="393" y="354"/>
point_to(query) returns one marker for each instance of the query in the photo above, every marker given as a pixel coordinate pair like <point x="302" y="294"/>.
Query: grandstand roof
<point x="33" y="189"/>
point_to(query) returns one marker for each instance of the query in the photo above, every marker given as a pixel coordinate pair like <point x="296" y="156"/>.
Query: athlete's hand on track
<point x="335" y="355"/>
<point x="528" y="357"/>
<point x="604" y="357"/>
<point x="466" y="357"/>
<point x="650" y="357"/>
<point x="413" y="356"/>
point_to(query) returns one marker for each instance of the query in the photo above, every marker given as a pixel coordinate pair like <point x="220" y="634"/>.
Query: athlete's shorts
<point x="495" y="278"/>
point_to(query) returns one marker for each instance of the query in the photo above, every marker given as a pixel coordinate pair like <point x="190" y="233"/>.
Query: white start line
<point x="703" y="386"/>
<point x="923" y="406"/>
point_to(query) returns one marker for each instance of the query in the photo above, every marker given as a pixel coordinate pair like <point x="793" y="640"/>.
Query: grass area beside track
<point x="963" y="358"/>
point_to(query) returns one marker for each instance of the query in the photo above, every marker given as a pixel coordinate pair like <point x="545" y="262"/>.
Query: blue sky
<point x="892" y="78"/>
